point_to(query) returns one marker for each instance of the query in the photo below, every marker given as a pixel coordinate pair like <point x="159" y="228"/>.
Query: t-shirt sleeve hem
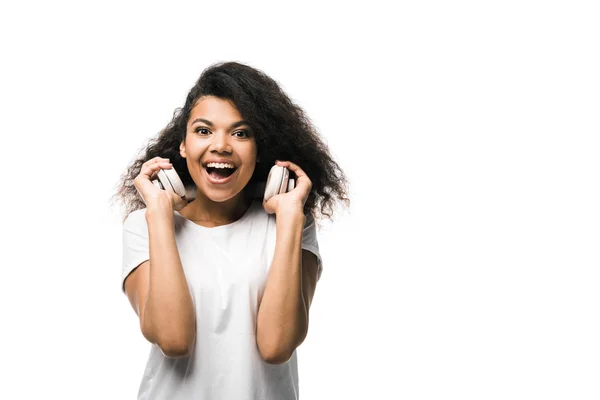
<point x="128" y="270"/>
<point x="315" y="251"/>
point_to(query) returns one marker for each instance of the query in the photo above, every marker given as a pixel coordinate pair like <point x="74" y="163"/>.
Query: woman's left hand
<point x="292" y="201"/>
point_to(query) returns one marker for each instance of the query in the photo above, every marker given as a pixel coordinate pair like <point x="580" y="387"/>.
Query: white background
<point x="467" y="265"/>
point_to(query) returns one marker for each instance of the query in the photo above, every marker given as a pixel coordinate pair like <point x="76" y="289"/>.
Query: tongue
<point x="220" y="173"/>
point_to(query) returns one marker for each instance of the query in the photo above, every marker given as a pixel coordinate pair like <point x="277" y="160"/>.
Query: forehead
<point x="215" y="109"/>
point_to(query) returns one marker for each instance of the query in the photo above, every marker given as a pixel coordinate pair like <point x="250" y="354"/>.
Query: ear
<point x="182" y="148"/>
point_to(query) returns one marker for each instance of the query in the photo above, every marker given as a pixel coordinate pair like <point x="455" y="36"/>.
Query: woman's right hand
<point x="152" y="194"/>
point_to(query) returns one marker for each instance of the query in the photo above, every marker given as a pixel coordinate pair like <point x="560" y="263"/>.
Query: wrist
<point x="158" y="209"/>
<point x="293" y="208"/>
<point x="290" y="215"/>
<point x="159" y="201"/>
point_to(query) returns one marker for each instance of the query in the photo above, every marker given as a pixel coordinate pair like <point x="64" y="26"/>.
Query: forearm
<point x="168" y="314"/>
<point x="282" y="317"/>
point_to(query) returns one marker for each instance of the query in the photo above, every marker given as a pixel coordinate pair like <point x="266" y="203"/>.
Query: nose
<point x="220" y="143"/>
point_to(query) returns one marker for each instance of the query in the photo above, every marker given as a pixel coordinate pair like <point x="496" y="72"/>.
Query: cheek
<point x="196" y="150"/>
<point x="250" y="156"/>
<point x="249" y="170"/>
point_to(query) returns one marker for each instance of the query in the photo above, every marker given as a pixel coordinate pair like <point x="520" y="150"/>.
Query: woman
<point x="222" y="285"/>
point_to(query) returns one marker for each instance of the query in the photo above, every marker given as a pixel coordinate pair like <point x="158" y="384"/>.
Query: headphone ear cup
<point x="164" y="180"/>
<point x="157" y="183"/>
<point x="175" y="181"/>
<point x="284" y="180"/>
<point x="167" y="179"/>
<point x="276" y="182"/>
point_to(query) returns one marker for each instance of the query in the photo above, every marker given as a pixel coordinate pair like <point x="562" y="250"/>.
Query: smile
<point x="217" y="177"/>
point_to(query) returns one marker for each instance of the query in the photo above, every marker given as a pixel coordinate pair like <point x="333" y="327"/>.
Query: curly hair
<point x="282" y="131"/>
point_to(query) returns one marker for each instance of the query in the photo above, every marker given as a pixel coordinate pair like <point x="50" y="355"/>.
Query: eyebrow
<point x="207" y="122"/>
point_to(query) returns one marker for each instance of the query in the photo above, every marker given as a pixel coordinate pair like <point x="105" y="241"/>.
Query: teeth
<point x="219" y="165"/>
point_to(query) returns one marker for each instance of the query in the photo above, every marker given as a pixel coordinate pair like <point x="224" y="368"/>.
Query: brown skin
<point x="225" y="137"/>
<point x="158" y="289"/>
<point x="283" y="314"/>
<point x="150" y="192"/>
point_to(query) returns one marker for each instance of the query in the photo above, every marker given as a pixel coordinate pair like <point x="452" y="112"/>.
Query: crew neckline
<point x="220" y="227"/>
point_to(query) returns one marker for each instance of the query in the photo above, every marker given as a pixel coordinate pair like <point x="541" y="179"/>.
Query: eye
<point x="202" y="131"/>
<point x="242" y="133"/>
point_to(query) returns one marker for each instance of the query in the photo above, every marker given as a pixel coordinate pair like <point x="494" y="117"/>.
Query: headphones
<point x="278" y="182"/>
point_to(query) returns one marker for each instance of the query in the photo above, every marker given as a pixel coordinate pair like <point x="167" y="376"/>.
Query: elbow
<point x="173" y="344"/>
<point x="176" y="348"/>
<point x="276" y="349"/>
<point x="275" y="354"/>
<point x="280" y="357"/>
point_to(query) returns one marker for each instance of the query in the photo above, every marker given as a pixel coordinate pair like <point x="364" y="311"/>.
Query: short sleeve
<point x="310" y="243"/>
<point x="136" y="248"/>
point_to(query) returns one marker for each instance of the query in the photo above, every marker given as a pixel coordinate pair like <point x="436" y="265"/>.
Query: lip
<point x="218" y="160"/>
<point x="219" y="181"/>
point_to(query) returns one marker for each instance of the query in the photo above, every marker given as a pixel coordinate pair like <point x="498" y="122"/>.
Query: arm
<point x="158" y="289"/>
<point x="282" y="321"/>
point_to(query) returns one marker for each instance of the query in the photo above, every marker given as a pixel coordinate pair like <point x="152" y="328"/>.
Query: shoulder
<point x="256" y="211"/>
<point x="135" y="220"/>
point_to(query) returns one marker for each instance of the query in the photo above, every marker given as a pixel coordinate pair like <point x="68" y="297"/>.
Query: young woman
<point x="222" y="285"/>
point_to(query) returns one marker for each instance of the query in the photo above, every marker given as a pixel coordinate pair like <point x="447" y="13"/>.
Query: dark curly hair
<point x="282" y="131"/>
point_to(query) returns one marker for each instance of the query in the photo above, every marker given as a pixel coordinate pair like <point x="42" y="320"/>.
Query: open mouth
<point x="220" y="173"/>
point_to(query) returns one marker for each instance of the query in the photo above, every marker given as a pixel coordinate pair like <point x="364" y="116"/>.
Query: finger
<point x="177" y="201"/>
<point x="302" y="181"/>
<point x="157" y="166"/>
<point x="151" y="161"/>
<point x="293" y="167"/>
<point x="156" y="160"/>
<point x="152" y="169"/>
<point x="269" y="206"/>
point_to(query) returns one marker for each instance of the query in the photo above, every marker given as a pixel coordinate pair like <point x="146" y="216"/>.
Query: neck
<point x="206" y="212"/>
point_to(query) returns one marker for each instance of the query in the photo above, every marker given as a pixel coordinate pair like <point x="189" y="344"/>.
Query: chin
<point x="218" y="196"/>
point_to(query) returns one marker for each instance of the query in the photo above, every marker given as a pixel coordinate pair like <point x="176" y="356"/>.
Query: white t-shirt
<point x="226" y="268"/>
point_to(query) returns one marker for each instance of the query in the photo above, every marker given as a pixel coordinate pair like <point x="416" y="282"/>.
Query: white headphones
<point x="278" y="182"/>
